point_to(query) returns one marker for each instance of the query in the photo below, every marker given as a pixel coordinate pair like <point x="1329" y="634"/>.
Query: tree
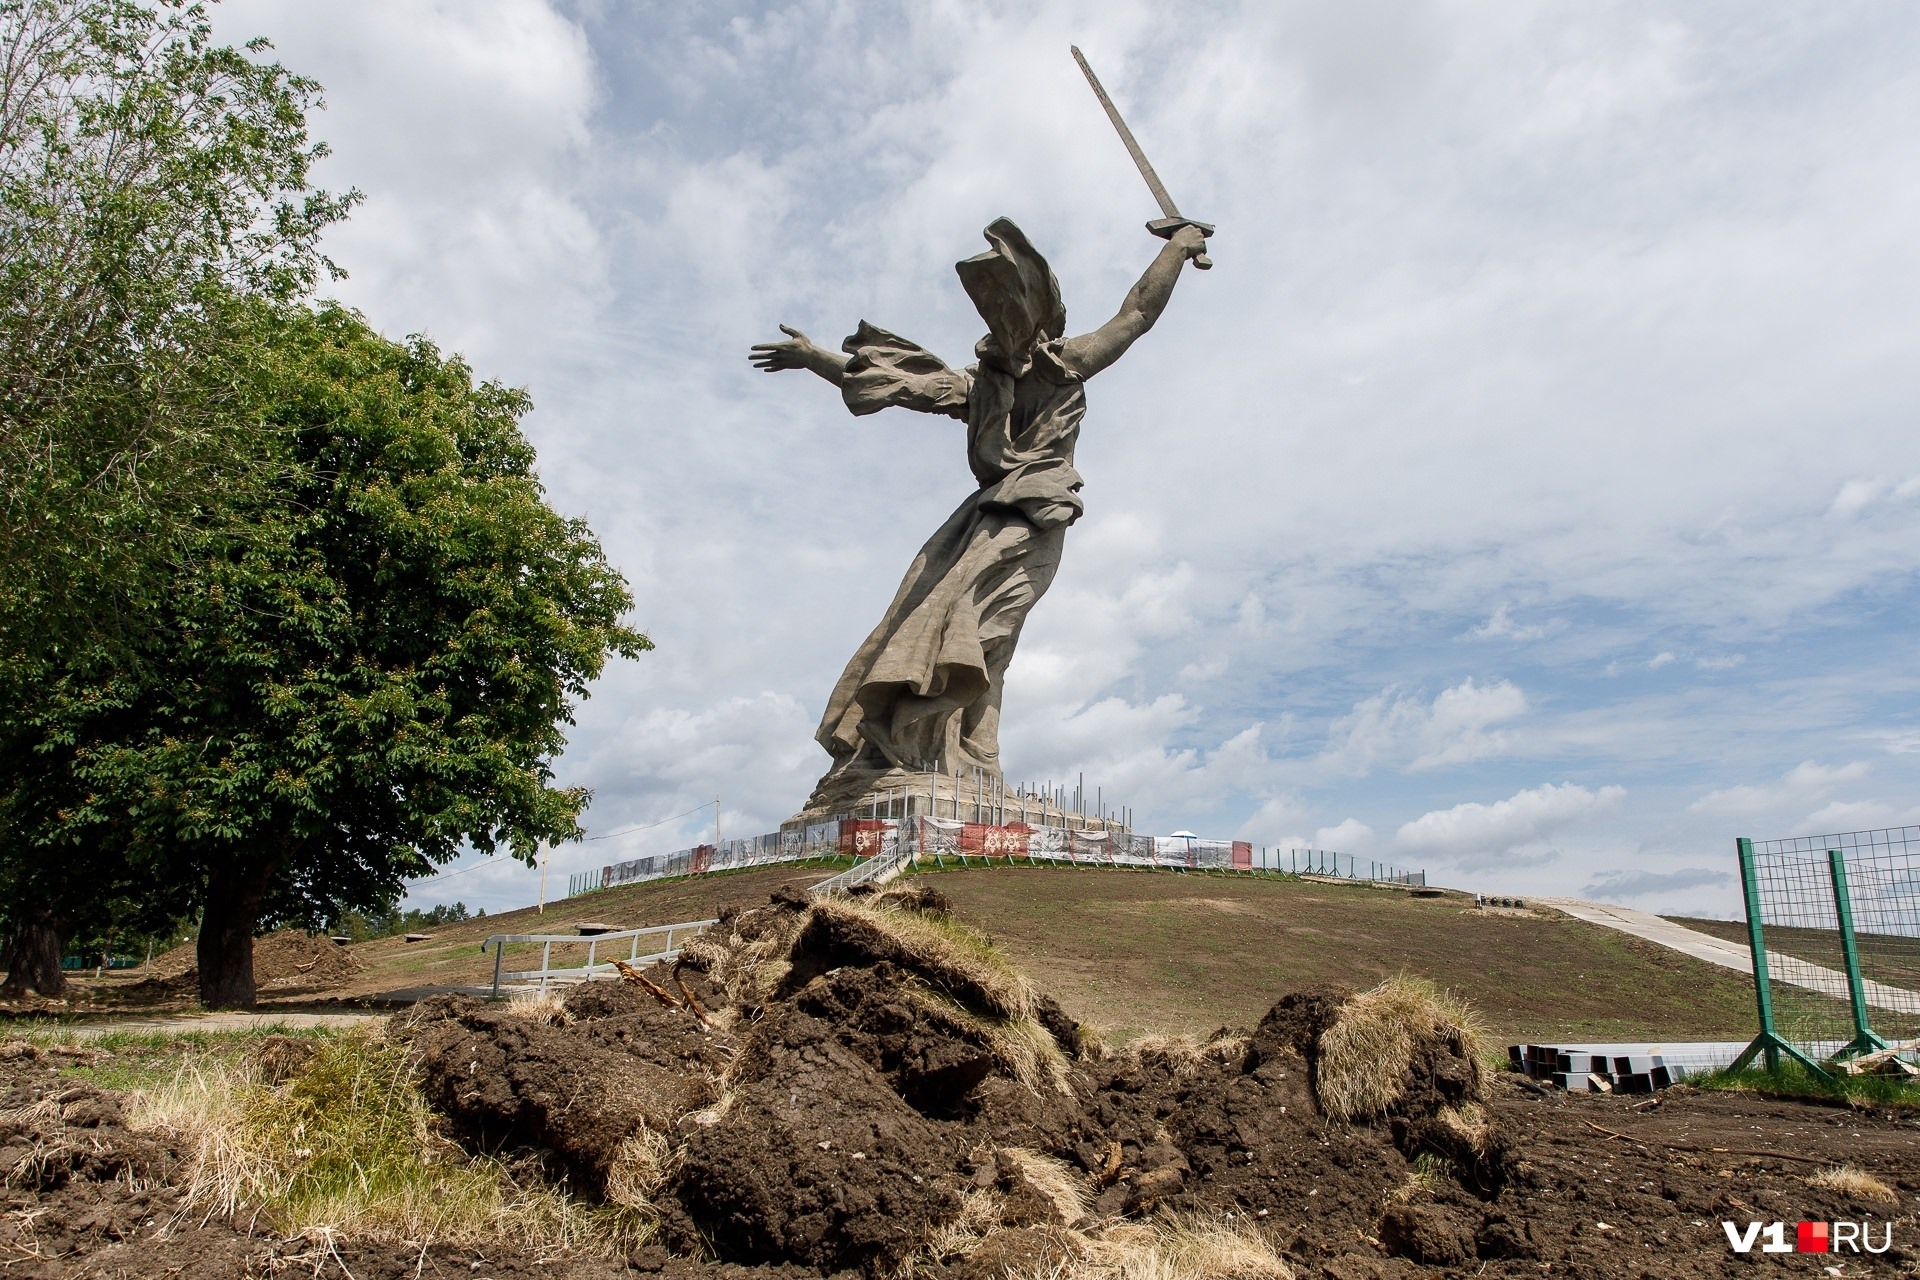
<point x="358" y="674"/>
<point x="153" y="193"/>
<point x="151" y="184"/>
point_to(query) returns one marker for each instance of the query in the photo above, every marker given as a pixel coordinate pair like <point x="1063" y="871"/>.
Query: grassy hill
<point x="1166" y="952"/>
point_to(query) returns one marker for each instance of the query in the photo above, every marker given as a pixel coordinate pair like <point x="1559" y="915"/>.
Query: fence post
<point x="1864" y="1040"/>
<point x="1768" y="1043"/>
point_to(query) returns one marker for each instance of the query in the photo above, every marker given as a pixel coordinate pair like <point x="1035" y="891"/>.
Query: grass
<point x="1794" y="1081"/>
<point x="349" y="1144"/>
<point x="1167" y="953"/>
<point x="1174" y="1248"/>
<point x="1854" y="1184"/>
<point x="952" y="956"/>
<point x="1170" y="953"/>
<point x="1365" y="1055"/>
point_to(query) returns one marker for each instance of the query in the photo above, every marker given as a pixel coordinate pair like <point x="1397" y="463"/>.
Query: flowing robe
<point x="923" y="692"/>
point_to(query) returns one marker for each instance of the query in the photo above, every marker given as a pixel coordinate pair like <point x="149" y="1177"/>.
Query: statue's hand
<point x="1191" y="239"/>
<point x="796" y="353"/>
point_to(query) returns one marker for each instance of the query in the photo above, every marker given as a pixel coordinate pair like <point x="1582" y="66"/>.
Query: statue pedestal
<point x="980" y="799"/>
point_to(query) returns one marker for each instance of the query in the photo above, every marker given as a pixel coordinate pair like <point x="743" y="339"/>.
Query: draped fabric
<point x="923" y="691"/>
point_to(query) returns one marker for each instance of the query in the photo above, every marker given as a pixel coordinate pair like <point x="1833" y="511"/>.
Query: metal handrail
<point x="545" y="973"/>
<point x="875" y="870"/>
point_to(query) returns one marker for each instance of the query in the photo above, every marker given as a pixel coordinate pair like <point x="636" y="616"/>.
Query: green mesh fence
<point x="1833" y="923"/>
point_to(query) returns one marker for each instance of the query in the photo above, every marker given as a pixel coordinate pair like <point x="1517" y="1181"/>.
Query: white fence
<point x="940" y="839"/>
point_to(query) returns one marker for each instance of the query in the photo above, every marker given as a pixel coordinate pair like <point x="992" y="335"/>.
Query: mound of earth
<point x="863" y="1089"/>
<point x="287" y="959"/>
<point x="849" y="1087"/>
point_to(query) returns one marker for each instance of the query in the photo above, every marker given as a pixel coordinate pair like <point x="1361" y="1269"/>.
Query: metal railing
<point x="876" y="870"/>
<point x="667" y="950"/>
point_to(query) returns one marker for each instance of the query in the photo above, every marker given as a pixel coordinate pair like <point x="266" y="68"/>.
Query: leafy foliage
<point x="391" y="922"/>
<point x="151" y="185"/>
<point x="354" y="676"/>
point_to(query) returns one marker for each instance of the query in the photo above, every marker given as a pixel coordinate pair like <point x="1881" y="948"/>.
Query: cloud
<point x="1803" y="784"/>
<point x="1481" y="832"/>
<point x="1856" y="815"/>
<point x="1489" y="355"/>
<point x="1460" y="725"/>
<point x="1501" y="626"/>
<point x="1660" y="660"/>
<point x="1615" y="885"/>
<point x="1349" y="836"/>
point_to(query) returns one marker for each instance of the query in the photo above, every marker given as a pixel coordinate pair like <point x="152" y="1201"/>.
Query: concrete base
<point x="899" y="794"/>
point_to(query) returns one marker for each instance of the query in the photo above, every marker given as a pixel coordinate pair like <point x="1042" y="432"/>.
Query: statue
<point x="922" y="694"/>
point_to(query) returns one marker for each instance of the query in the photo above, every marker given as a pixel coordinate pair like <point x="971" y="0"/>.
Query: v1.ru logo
<point x="1810" y="1237"/>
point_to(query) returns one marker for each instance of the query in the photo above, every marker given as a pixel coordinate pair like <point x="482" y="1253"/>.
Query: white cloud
<point x="1391" y="728"/>
<point x="1501" y="626"/>
<point x="1803" y="784"/>
<point x="1616" y="885"/>
<point x="1349" y="836"/>
<point x="1660" y="660"/>
<point x="1856" y="815"/>
<point x="1479" y="833"/>
<point x="1485" y="333"/>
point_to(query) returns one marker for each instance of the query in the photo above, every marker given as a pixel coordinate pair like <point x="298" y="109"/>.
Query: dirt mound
<point x="853" y="1086"/>
<point x="865" y="1090"/>
<point x="814" y="1158"/>
<point x="581" y="1092"/>
<point x="283" y="961"/>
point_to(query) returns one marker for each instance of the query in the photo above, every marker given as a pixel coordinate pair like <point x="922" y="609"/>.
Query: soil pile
<point x="853" y="1086"/>
<point x="284" y="961"/>
<point x="865" y="1089"/>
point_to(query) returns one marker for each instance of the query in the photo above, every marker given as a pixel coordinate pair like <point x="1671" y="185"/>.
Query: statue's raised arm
<point x="1089" y="353"/>
<point x="798" y="352"/>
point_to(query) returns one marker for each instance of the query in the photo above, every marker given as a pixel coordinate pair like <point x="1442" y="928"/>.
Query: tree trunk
<point x="33" y="952"/>
<point x="227" y="921"/>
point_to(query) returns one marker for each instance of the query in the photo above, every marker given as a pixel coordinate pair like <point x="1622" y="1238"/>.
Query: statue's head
<point x="1014" y="291"/>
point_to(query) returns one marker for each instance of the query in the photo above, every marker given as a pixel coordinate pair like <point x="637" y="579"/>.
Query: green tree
<point x="151" y="184"/>
<point x="355" y="676"/>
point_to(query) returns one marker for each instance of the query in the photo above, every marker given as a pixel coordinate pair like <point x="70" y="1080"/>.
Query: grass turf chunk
<point x="1366" y="1056"/>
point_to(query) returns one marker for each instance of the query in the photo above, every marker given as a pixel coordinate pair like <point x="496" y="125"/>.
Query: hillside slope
<point x="1166" y="952"/>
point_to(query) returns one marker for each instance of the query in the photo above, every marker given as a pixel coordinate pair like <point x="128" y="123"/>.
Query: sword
<point x="1162" y="227"/>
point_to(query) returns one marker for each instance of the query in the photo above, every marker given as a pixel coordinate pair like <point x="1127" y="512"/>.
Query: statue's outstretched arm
<point x="1089" y="353"/>
<point x="798" y="352"/>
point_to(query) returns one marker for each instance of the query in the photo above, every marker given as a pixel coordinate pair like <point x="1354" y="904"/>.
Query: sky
<point x="1529" y="494"/>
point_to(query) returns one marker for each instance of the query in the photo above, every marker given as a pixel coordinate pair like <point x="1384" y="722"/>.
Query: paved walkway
<point x="1731" y="955"/>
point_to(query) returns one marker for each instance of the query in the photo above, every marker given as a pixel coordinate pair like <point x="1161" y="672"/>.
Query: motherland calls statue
<point x="922" y="694"/>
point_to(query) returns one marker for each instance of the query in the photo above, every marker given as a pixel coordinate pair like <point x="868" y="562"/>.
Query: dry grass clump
<point x="1174" y="1247"/>
<point x="349" y="1144"/>
<point x="1182" y="1056"/>
<point x="642" y="1163"/>
<point x="1022" y="1047"/>
<point x="979" y="1216"/>
<point x="1365" y="1054"/>
<point x="1854" y="1184"/>
<point x="548" y="1008"/>
<point x="947" y="954"/>
<point x="748" y="955"/>
<point x="1052" y="1178"/>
